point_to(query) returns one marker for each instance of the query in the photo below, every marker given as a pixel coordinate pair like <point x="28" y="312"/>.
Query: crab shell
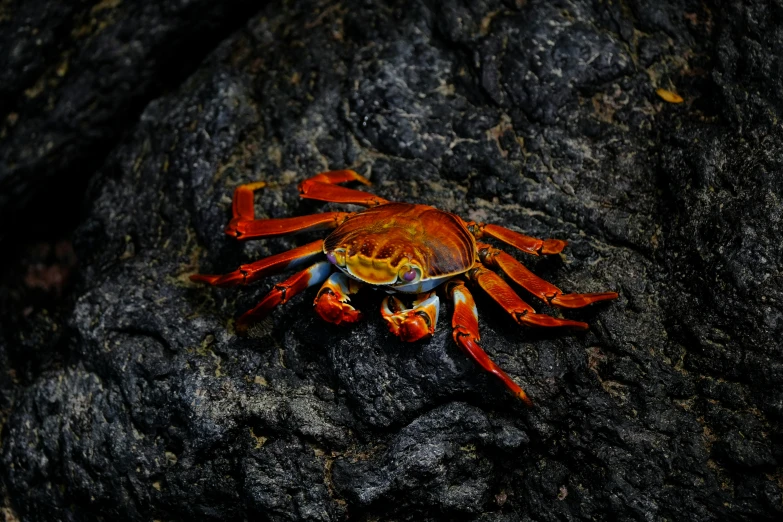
<point x="407" y="248"/>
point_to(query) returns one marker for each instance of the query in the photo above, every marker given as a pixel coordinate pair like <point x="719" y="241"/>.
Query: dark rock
<point x="76" y="75"/>
<point x="278" y="484"/>
<point x="539" y="116"/>
<point x="438" y="463"/>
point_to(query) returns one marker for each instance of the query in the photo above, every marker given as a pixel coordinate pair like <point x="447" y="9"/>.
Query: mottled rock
<point x="435" y="463"/>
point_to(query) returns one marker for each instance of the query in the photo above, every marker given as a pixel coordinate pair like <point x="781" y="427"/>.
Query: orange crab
<point x="400" y="248"/>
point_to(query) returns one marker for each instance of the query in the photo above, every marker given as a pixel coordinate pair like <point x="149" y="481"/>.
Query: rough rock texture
<point x="541" y="116"/>
<point x="75" y="74"/>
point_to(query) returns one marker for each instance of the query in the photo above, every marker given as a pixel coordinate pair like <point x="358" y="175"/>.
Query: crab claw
<point x="411" y="324"/>
<point x="331" y="303"/>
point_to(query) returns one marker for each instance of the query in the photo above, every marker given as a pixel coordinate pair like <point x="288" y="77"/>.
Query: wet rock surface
<point x="539" y="116"/>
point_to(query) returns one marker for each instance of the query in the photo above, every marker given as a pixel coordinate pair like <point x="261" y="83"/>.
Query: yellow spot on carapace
<point x="371" y="270"/>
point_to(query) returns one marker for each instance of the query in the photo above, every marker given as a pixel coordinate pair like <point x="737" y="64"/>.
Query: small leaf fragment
<point x="669" y="96"/>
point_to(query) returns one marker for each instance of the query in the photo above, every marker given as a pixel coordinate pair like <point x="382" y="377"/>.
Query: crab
<point x="404" y="249"/>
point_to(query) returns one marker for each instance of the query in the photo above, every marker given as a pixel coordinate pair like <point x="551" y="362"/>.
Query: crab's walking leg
<point x="257" y="228"/>
<point x="332" y="300"/>
<point x="412" y="324"/>
<point x="519" y="310"/>
<point x="322" y="187"/>
<point x="466" y="335"/>
<point x="291" y="259"/>
<point x="244" y="225"/>
<point x="281" y="293"/>
<point x="243" y="206"/>
<point x="496" y="258"/>
<point x="519" y="241"/>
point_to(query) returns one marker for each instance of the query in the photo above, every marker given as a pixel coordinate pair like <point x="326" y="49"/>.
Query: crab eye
<point x="409" y="274"/>
<point x="336" y="257"/>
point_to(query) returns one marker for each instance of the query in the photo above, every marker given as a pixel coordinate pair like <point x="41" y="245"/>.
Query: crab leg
<point x="243" y="225"/>
<point x="519" y="310"/>
<point x="545" y="291"/>
<point x="466" y="335"/>
<point x="322" y="187"/>
<point x="291" y="259"/>
<point x="412" y="324"/>
<point x="331" y="303"/>
<point x="243" y="229"/>
<point x="242" y="206"/>
<point x="281" y="293"/>
<point x="519" y="241"/>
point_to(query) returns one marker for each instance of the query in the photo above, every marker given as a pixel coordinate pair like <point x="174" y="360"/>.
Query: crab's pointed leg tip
<point x="602" y="296"/>
<point x="256" y="185"/>
<point x="580" y="300"/>
<point x="203" y="278"/>
<point x="362" y="179"/>
<point x="525" y="399"/>
<point x="553" y="246"/>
